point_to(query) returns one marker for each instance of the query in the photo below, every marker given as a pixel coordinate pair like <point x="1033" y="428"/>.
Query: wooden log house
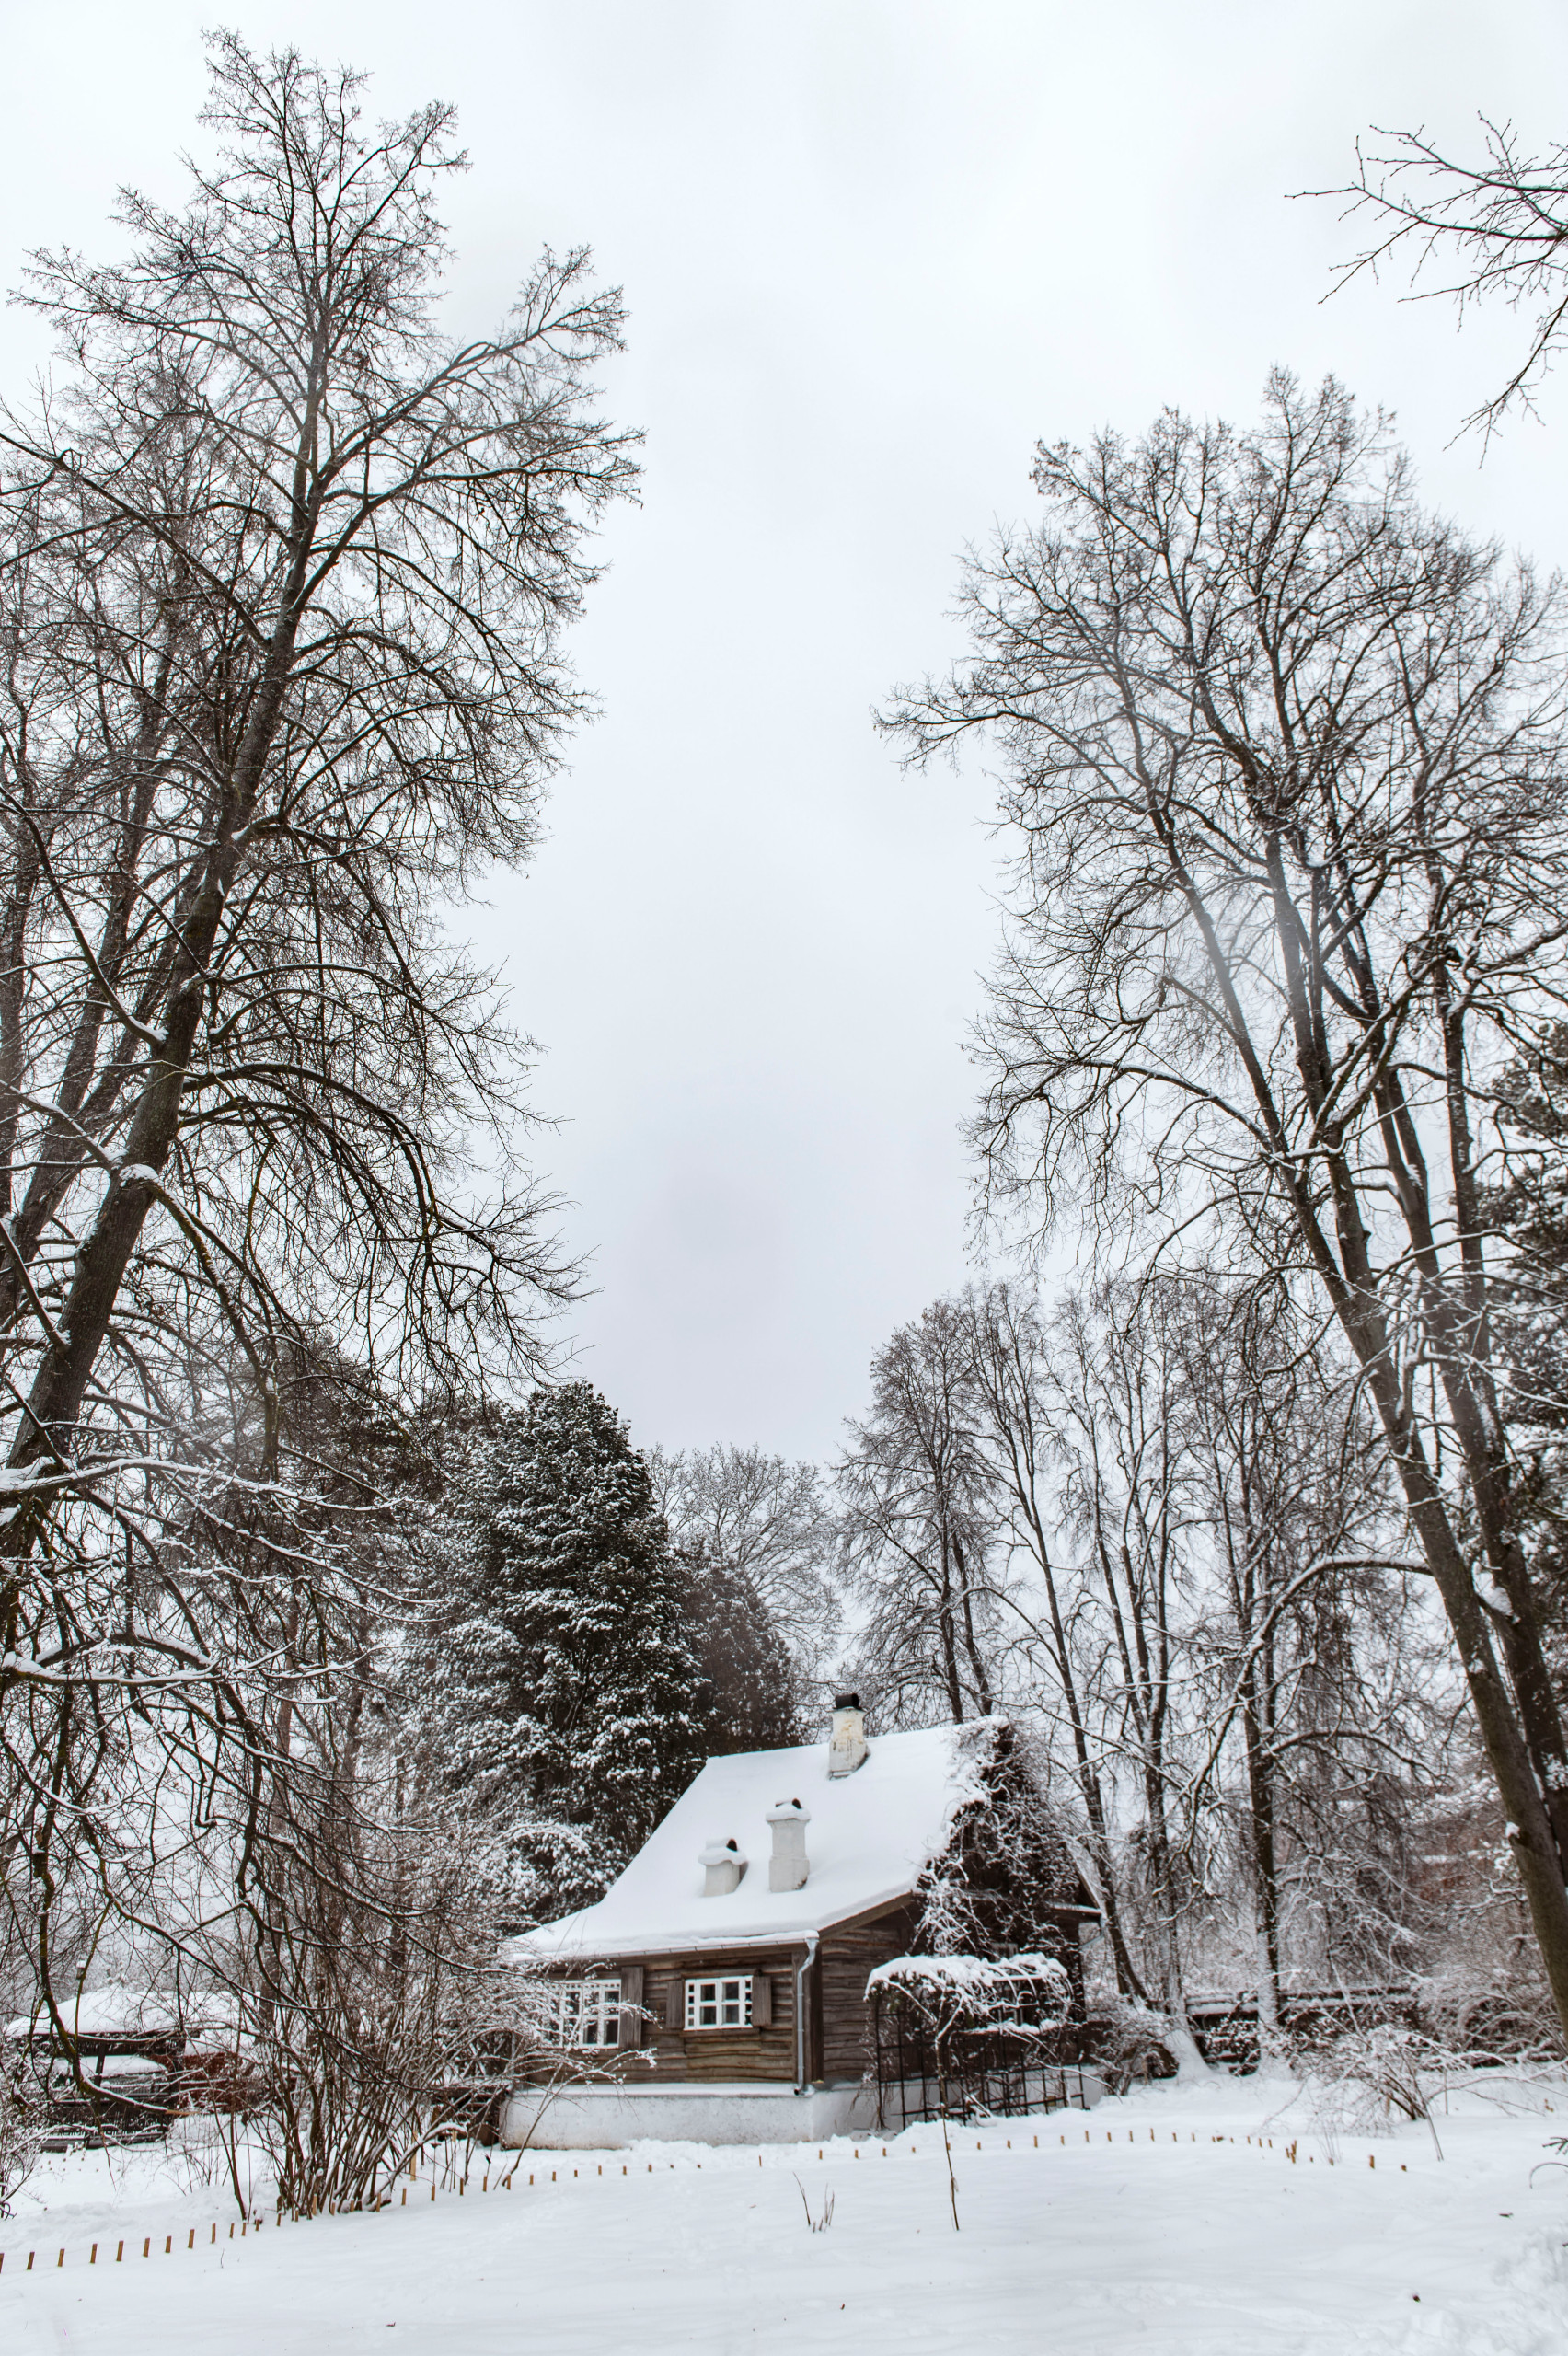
<point x="718" y="1990"/>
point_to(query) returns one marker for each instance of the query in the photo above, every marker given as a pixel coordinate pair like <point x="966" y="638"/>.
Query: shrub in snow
<point x="1363" y="2079"/>
<point x="1028" y="1995"/>
<point x="19" y="2135"/>
<point x="973" y="2024"/>
<point x="1132" y="2043"/>
<point x="376" y="2014"/>
<point x="1500" y="2011"/>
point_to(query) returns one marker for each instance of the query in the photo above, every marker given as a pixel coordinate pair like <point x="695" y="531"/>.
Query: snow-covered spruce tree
<point x="558" y="1674"/>
<point x="1528" y="1208"/>
<point x="751" y="1685"/>
<point x="1007" y="1866"/>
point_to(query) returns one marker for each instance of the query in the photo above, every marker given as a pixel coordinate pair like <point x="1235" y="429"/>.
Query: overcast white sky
<point x="873" y="249"/>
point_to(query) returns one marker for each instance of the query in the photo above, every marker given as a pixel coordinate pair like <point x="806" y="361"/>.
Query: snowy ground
<point x="1167" y="2229"/>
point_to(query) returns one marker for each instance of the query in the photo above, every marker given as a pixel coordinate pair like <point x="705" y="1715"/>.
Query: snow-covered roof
<point x="870" y="1835"/>
<point x="119" y="2011"/>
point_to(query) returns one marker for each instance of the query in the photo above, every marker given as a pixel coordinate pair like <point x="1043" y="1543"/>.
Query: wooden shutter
<point x="633" y="2027"/>
<point x="675" y="2003"/>
<point x="762" y="2001"/>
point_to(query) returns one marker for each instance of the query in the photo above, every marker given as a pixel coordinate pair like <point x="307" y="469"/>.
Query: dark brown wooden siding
<point x="715" y="2054"/>
<point x="838" y="2021"/>
<point x="845" y="1958"/>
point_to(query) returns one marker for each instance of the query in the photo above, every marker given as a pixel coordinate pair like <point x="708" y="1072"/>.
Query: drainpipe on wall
<point x="806" y="1962"/>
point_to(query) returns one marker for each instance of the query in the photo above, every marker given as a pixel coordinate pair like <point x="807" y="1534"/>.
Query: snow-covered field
<point x="1180" y="2224"/>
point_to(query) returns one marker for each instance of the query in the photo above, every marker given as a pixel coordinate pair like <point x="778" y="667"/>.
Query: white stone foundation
<point x="597" y="2118"/>
<point x="607" y="2118"/>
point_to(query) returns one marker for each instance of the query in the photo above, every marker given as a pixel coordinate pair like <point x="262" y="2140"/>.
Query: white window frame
<point x="724" y="1995"/>
<point x="584" y="2015"/>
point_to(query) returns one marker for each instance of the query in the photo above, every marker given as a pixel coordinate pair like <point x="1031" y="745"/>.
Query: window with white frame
<point x="719" y="2004"/>
<point x="584" y="2012"/>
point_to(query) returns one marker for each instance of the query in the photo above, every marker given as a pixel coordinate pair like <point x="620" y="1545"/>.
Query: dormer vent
<point x="787" y="1868"/>
<point x="723" y="1866"/>
<point x="846" y="1742"/>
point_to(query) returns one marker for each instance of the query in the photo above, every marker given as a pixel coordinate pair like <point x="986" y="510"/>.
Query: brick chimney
<point x="787" y="1867"/>
<point x="846" y="1743"/>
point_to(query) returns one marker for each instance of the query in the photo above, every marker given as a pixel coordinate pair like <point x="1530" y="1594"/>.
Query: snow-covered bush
<point x="1132" y="2043"/>
<point x="1363" y="2080"/>
<point x="18" y="2139"/>
<point x="376" y="2009"/>
<point x="1502" y="2013"/>
<point x="968" y="2021"/>
<point x="1028" y="1994"/>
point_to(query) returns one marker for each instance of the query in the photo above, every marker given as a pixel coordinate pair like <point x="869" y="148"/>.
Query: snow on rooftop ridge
<point x="870" y="1836"/>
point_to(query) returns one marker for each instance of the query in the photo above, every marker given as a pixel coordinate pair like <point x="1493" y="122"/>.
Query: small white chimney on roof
<point x="723" y="1866"/>
<point x="787" y="1867"/>
<point x="846" y="1743"/>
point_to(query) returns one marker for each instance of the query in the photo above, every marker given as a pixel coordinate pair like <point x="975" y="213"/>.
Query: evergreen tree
<point x="1526" y="1210"/>
<point x="751" y="1690"/>
<point x="561" y="1675"/>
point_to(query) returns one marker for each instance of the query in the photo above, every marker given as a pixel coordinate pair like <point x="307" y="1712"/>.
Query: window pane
<point x="584" y="2013"/>
<point x="722" y="2002"/>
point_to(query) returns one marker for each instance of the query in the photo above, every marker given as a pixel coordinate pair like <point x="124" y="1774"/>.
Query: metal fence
<point x="998" y="2070"/>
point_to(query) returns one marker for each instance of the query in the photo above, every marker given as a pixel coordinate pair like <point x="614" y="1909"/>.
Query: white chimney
<point x="723" y="1866"/>
<point x="846" y="1743"/>
<point x="787" y="1867"/>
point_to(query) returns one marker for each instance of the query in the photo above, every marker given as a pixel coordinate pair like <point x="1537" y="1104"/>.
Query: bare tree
<point x="1115" y="1389"/>
<point x="762" y="1520"/>
<point x="1245" y="1656"/>
<point x="1188" y="1583"/>
<point x="1288" y="769"/>
<point x="1317" y="1653"/>
<point x="377" y="2010"/>
<point x="284" y="578"/>
<point x="1012" y="1361"/>
<point x="1498" y="228"/>
<point x="920" y="1527"/>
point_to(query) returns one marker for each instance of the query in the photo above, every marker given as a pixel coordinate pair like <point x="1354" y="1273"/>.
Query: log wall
<point x="838" y="2022"/>
<point x="846" y="1957"/>
<point x="762" y="2055"/>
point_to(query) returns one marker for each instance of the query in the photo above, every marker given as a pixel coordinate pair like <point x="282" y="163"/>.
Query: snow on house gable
<point x="870" y="1837"/>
